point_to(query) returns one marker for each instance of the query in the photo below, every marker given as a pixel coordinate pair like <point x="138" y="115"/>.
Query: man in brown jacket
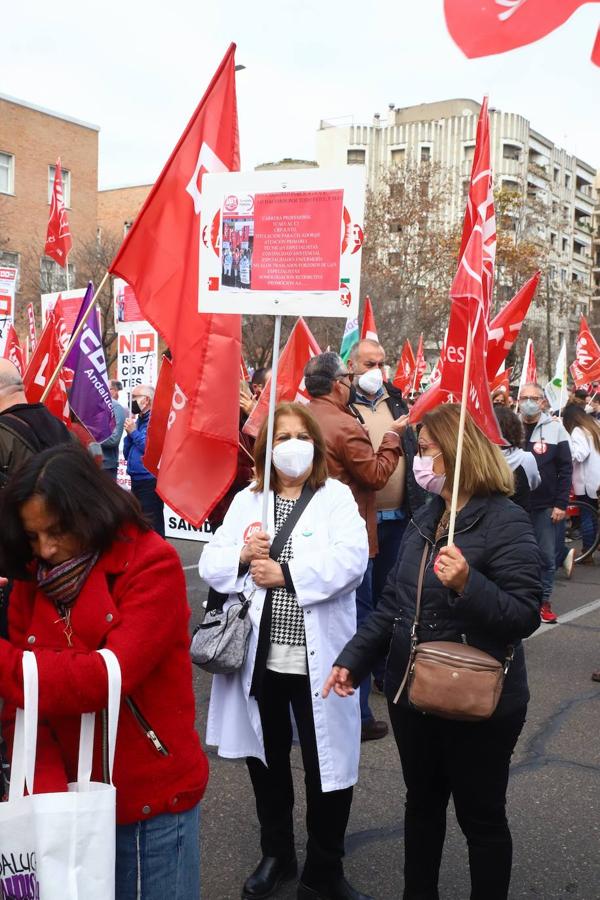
<point x="352" y="460"/>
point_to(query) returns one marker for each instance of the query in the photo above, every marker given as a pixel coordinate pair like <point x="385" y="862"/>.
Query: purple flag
<point x="90" y="397"/>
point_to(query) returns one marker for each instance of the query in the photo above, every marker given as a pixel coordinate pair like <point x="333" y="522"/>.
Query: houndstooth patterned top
<point x="287" y="620"/>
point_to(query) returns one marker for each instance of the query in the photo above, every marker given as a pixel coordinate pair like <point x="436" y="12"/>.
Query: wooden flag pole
<point x="271" y="420"/>
<point x="460" y="439"/>
<point x="74" y="337"/>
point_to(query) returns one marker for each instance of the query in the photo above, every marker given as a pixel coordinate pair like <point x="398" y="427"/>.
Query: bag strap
<point x="25" y="734"/>
<point x="413" y="630"/>
<point x="88" y="721"/>
<point x="280" y="539"/>
<point x="21" y="429"/>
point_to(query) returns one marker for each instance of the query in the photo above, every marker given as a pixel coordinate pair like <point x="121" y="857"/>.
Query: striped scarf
<point x="62" y="583"/>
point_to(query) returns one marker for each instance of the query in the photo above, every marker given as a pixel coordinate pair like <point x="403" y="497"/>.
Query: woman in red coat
<point x="90" y="574"/>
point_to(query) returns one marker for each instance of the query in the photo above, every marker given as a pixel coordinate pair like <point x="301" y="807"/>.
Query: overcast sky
<point x="137" y="69"/>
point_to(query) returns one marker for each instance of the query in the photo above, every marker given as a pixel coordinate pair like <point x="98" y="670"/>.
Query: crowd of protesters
<point x="364" y="567"/>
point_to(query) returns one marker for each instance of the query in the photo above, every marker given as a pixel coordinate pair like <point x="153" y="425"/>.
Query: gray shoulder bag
<point x="219" y="645"/>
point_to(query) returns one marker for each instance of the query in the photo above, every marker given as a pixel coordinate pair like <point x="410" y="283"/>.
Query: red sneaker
<point x="547" y="615"/>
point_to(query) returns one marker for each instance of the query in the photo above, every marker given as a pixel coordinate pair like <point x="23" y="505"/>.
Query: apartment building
<point x="523" y="160"/>
<point x="595" y="310"/>
<point x="31" y="140"/>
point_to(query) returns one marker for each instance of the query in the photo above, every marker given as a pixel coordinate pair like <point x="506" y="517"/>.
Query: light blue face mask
<point x="529" y="408"/>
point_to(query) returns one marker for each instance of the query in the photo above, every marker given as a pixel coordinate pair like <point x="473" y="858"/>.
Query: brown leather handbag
<point x="448" y="679"/>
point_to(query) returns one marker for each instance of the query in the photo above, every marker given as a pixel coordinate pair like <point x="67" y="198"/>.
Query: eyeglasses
<point x="341" y="378"/>
<point x="529" y="397"/>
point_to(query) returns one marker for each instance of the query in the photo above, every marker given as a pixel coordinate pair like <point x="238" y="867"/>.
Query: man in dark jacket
<point x="143" y="482"/>
<point x="110" y="447"/>
<point x="378" y="404"/>
<point x="548" y="440"/>
<point x="352" y="460"/>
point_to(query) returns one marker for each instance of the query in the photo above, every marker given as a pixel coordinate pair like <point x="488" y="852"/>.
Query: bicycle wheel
<point x="582" y="532"/>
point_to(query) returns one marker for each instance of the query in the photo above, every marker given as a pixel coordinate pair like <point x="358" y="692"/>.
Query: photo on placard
<point x="237" y="242"/>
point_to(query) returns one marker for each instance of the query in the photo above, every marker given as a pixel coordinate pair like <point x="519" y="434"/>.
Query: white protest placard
<point x="8" y="289"/>
<point x="283" y="243"/>
<point x="137" y="359"/>
<point x="126" y="306"/>
<point x="180" y="528"/>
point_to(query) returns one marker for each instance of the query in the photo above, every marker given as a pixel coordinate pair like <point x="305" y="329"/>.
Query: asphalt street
<point x="554" y="792"/>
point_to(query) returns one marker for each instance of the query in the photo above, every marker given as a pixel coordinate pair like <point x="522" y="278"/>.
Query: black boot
<point x="333" y="890"/>
<point x="267" y="876"/>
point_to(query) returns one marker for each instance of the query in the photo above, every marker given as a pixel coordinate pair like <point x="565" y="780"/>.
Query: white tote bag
<point x="59" y="846"/>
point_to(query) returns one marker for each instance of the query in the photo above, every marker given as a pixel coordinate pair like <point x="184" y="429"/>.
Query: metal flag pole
<point x="270" y="422"/>
<point x="67" y="272"/>
<point x="131" y="339"/>
<point x="460" y="440"/>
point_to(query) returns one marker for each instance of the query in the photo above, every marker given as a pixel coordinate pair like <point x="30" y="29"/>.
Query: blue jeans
<point x="389" y="537"/>
<point x="159" y="858"/>
<point x="152" y="506"/>
<point x="545" y="532"/>
<point x="589" y="521"/>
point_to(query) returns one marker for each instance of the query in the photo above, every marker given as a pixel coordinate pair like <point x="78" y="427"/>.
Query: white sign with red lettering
<point x="8" y="289"/>
<point x="137" y="360"/>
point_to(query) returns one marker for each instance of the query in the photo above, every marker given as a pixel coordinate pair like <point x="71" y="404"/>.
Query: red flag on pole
<point x="161" y="409"/>
<point x="529" y="370"/>
<point x="369" y="328"/>
<point x="159" y="259"/>
<point x="58" y="236"/>
<point x="406" y="366"/>
<point x="501" y="382"/>
<point x="505" y="327"/>
<point x="300" y="347"/>
<point x="31" y="322"/>
<point x="13" y="349"/>
<point x="471" y="294"/>
<point x="483" y="29"/>
<point x="586" y="367"/>
<point x="41" y="366"/>
<point x="244" y="374"/>
<point x="420" y="366"/>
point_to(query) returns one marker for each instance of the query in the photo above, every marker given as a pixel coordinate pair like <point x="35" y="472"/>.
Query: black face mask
<point x="135" y="408"/>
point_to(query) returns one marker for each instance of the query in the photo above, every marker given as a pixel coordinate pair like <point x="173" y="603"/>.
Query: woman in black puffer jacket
<point x="485" y="591"/>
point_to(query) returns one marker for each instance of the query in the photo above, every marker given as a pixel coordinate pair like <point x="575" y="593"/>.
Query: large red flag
<point x="300" y="347"/>
<point x="586" y="367"/>
<point x="58" y="236"/>
<point x="505" y="327"/>
<point x="471" y="294"/>
<point x="406" y="366"/>
<point x="159" y="259"/>
<point x="41" y="367"/>
<point x="13" y="349"/>
<point x="483" y="29"/>
<point x="369" y="328"/>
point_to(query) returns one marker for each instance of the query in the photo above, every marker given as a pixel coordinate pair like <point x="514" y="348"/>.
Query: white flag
<point x="556" y="390"/>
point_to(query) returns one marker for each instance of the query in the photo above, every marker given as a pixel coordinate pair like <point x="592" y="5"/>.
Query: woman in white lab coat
<point x="584" y="431"/>
<point x="302" y="612"/>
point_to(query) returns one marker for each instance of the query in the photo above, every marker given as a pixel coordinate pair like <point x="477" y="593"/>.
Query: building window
<point x="356" y="157"/>
<point x="565" y="244"/>
<point x="66" y="180"/>
<point x="398" y="156"/>
<point x="425" y="153"/>
<point x="53" y="277"/>
<point x="7" y="173"/>
<point x="509" y="184"/>
<point x="7" y="258"/>
<point x="511" y="151"/>
<point x="556" y="174"/>
<point x="395" y="260"/>
<point x="567" y="181"/>
<point x="553" y="236"/>
<point x="469" y="152"/>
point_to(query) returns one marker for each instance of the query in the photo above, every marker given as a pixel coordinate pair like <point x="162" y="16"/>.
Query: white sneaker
<point x="568" y="563"/>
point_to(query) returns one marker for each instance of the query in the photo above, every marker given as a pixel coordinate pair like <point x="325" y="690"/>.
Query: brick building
<point x="31" y="140"/>
<point x="118" y="207"/>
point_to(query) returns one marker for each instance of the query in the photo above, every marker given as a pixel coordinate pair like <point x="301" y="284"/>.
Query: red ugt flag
<point x="505" y="327"/>
<point x="369" y="328"/>
<point x="58" y="236"/>
<point x="301" y="346"/>
<point x="586" y="367"/>
<point x="420" y="366"/>
<point x="41" y="367"/>
<point x="406" y="365"/>
<point x="13" y="349"/>
<point x="159" y="259"/>
<point x="483" y="29"/>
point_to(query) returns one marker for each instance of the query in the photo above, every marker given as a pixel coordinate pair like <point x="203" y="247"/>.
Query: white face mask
<point x="294" y="457"/>
<point x="371" y="380"/>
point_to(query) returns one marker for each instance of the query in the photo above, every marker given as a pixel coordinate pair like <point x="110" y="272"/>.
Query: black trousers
<point x="145" y="491"/>
<point x="326" y="813"/>
<point x="470" y="761"/>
